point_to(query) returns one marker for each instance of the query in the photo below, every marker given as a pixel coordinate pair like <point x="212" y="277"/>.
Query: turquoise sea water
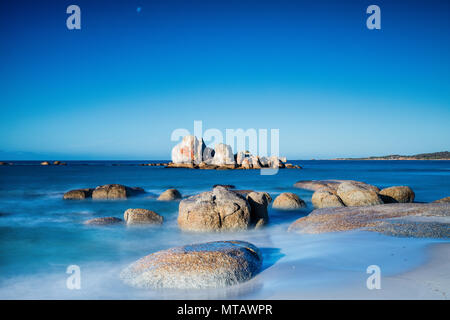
<point x="41" y="234"/>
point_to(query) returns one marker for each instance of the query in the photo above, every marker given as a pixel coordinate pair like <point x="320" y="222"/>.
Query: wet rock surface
<point x="288" y="201"/>
<point x="206" y="265"/>
<point x="400" y="219"/>
<point x="142" y="217"/>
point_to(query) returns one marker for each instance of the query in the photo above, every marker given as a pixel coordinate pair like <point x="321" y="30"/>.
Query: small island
<point x="443" y="155"/>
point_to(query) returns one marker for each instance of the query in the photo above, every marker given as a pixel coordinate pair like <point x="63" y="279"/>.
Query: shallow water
<point x="40" y="234"/>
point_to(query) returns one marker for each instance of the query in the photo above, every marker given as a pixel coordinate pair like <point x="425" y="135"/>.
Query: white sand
<point x="431" y="280"/>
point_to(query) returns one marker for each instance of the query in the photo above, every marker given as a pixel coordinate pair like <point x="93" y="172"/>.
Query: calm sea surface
<point x="41" y="235"/>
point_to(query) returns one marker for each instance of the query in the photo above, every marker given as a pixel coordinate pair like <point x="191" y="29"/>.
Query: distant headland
<point x="443" y="155"/>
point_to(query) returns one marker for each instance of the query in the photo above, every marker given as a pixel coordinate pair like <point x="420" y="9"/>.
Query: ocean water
<point x="41" y="234"/>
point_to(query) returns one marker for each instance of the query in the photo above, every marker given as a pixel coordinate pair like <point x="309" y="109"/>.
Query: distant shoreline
<point x="443" y="155"/>
<point x="382" y="159"/>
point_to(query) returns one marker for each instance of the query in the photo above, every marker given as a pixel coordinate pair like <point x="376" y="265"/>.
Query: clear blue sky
<point x="117" y="88"/>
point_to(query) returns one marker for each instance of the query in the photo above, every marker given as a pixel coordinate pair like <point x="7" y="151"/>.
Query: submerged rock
<point x="399" y="219"/>
<point x="142" y="216"/>
<point x="325" y="198"/>
<point x="170" y="195"/>
<point x="207" y="265"/>
<point x="115" y="191"/>
<point x="402" y="194"/>
<point x="354" y="193"/>
<point x="78" y="194"/>
<point x="288" y="201"/>
<point x="103" y="221"/>
<point x="217" y="210"/>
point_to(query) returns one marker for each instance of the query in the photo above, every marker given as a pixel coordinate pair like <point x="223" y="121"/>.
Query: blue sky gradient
<point x="117" y="88"/>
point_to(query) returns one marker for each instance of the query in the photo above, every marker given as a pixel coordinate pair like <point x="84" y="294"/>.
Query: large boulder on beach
<point x="443" y="200"/>
<point x="207" y="265"/>
<point x="78" y="194"/>
<point x="189" y="150"/>
<point x="398" y="219"/>
<point x="354" y="193"/>
<point x="103" y="221"/>
<point x="326" y="197"/>
<point x="402" y="194"/>
<point x="223" y="155"/>
<point x="216" y="210"/>
<point x="258" y="202"/>
<point x="142" y="216"/>
<point x="288" y="201"/>
<point x="115" y="191"/>
<point x="170" y="195"/>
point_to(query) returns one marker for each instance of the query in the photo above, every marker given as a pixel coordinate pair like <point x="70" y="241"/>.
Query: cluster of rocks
<point x="170" y="195"/>
<point x="192" y="153"/>
<point x="342" y="193"/>
<point x="55" y="163"/>
<point x="223" y="210"/>
<point x="343" y="205"/>
<point x="107" y="192"/>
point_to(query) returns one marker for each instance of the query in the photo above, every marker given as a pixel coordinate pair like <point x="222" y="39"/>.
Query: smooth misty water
<point x="40" y="234"/>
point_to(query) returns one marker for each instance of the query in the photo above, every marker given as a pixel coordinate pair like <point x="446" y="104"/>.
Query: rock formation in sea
<point x="223" y="210"/>
<point x="206" y="265"/>
<point x="216" y="210"/>
<point x="188" y="151"/>
<point x="397" y="219"/>
<point x="104" y="192"/>
<point x="339" y="193"/>
<point x="192" y="153"/>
